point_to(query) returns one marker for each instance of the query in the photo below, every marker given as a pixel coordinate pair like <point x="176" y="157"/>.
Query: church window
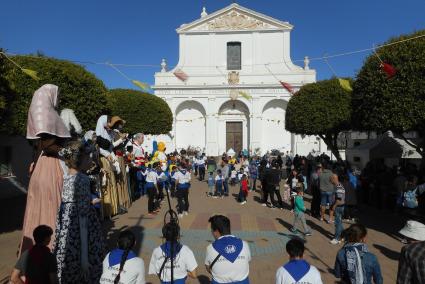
<point x="234" y="56"/>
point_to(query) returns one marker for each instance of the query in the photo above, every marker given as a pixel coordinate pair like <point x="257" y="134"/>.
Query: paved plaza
<point x="266" y="230"/>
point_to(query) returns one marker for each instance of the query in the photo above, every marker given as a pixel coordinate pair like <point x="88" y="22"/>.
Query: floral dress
<point x="77" y="218"/>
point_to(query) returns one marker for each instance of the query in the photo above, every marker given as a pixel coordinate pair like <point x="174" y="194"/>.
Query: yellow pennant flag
<point x="345" y="84"/>
<point x="143" y="86"/>
<point x="245" y="95"/>
<point x="31" y="73"/>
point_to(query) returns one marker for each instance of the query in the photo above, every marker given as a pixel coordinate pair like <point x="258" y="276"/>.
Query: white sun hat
<point x="414" y="230"/>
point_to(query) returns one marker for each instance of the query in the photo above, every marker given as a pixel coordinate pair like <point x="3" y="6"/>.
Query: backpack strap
<point x="214" y="261"/>
<point x="162" y="267"/>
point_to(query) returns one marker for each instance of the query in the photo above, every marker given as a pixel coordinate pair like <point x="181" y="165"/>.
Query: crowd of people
<point x="78" y="180"/>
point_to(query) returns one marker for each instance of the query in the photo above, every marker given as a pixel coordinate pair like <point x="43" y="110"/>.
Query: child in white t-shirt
<point x="297" y="270"/>
<point x="184" y="262"/>
<point x="233" y="177"/>
<point x="121" y="265"/>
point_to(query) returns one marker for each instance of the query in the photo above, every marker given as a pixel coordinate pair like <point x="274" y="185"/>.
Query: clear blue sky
<point x="143" y="31"/>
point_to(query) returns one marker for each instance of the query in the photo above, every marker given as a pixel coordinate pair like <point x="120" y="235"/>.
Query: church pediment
<point x="234" y="18"/>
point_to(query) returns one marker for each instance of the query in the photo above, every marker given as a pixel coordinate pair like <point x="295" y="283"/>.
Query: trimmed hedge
<point x="396" y="103"/>
<point x="79" y="90"/>
<point x="143" y="112"/>
<point x="319" y="108"/>
<point x="322" y="108"/>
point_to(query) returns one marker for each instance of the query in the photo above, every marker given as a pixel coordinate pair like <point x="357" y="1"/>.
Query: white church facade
<point x="227" y="91"/>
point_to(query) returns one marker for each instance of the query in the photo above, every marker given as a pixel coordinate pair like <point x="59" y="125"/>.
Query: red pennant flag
<point x="287" y="86"/>
<point x="388" y="69"/>
<point x="181" y="75"/>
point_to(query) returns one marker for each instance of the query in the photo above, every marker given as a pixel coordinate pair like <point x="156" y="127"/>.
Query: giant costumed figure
<point x="160" y="156"/>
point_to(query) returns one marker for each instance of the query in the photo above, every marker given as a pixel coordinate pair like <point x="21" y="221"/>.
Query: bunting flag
<point x="345" y="84"/>
<point x="287" y="86"/>
<point x="245" y="95"/>
<point x="181" y="75"/>
<point x="141" y="85"/>
<point x="388" y="69"/>
<point x="31" y="73"/>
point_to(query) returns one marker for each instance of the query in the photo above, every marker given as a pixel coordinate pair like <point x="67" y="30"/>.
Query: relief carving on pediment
<point x="234" y="21"/>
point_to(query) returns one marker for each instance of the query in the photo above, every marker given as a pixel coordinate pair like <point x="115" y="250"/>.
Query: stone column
<point x="255" y="124"/>
<point x="211" y="128"/>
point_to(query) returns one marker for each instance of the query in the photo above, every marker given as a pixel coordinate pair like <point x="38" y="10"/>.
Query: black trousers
<point x="151" y="199"/>
<point x="315" y="203"/>
<point x="266" y="194"/>
<point x="279" y="198"/>
<point x="133" y="183"/>
<point x="201" y="173"/>
<point x="160" y="191"/>
<point x="182" y="200"/>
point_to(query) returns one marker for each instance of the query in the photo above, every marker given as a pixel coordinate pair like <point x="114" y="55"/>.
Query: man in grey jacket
<point x="225" y="171"/>
<point x="326" y="192"/>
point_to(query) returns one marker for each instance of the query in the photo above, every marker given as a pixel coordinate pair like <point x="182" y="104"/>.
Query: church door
<point x="234" y="136"/>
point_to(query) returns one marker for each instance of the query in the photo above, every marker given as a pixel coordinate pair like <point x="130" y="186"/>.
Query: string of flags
<point x="386" y="67"/>
<point x="141" y="85"/>
<point x="29" y="72"/>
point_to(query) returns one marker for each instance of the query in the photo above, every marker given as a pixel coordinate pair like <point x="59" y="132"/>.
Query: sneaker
<point x="264" y="204"/>
<point x="321" y="219"/>
<point x="215" y="196"/>
<point x="180" y="215"/>
<point x="308" y="234"/>
<point x="186" y="213"/>
<point x="335" y="241"/>
<point x="330" y="221"/>
<point x="243" y="202"/>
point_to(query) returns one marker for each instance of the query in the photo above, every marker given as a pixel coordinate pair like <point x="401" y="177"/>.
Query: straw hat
<point x="414" y="230"/>
<point x="114" y="120"/>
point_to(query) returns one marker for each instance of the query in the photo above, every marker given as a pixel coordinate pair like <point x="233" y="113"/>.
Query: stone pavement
<point x="266" y="230"/>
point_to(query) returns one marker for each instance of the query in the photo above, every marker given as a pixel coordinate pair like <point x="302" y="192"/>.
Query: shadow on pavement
<point x="319" y="229"/>
<point x="14" y="209"/>
<point x="112" y="233"/>
<point x="394" y="255"/>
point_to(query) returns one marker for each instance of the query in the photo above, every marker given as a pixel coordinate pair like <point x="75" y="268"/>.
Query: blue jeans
<point x="326" y="198"/>
<point x="226" y="186"/>
<point x="211" y="189"/>
<point x="339" y="211"/>
<point x="219" y="188"/>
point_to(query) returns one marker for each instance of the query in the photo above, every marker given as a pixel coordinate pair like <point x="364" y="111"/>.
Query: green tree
<point x="143" y="112"/>
<point x="396" y="103"/>
<point x="322" y="109"/>
<point x="6" y="93"/>
<point x="79" y="90"/>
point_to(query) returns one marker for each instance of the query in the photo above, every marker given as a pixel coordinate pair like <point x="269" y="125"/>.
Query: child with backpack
<point x="299" y="210"/>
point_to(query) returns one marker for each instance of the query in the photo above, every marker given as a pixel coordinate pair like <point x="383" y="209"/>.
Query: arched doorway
<point x="233" y="130"/>
<point x="274" y="134"/>
<point x="190" y="125"/>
